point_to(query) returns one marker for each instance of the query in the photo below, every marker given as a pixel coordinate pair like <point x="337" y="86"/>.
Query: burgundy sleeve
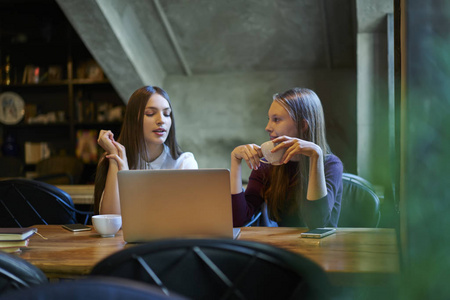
<point x="324" y="212"/>
<point x="245" y="204"/>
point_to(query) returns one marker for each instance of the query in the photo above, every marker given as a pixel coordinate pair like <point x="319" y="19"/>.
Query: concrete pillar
<point x="372" y="108"/>
<point x="372" y="91"/>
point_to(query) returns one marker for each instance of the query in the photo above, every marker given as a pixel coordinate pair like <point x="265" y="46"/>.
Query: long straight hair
<point x="303" y="106"/>
<point x="132" y="137"/>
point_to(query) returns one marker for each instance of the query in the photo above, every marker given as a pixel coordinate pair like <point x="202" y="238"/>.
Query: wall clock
<point x="12" y="108"/>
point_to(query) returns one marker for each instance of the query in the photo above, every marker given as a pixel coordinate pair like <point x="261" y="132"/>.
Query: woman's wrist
<point x="113" y="164"/>
<point x="317" y="152"/>
<point x="235" y="163"/>
<point x="235" y="159"/>
<point x="236" y="176"/>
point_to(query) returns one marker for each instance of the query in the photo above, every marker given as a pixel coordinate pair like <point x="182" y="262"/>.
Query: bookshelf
<point x="64" y="90"/>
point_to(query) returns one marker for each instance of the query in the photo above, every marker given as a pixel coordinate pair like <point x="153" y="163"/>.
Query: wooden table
<point x="351" y="257"/>
<point x="80" y="193"/>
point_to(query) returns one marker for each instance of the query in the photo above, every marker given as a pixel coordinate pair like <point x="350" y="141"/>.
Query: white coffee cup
<point x="107" y="225"/>
<point x="272" y="158"/>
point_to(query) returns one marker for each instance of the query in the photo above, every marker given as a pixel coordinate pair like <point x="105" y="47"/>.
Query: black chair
<point x="25" y="202"/>
<point x="265" y="220"/>
<point x="360" y="206"/>
<point x="353" y="177"/>
<point x="16" y="273"/>
<point x="219" y="269"/>
<point x="91" y="288"/>
<point x="11" y="167"/>
<point x="255" y="220"/>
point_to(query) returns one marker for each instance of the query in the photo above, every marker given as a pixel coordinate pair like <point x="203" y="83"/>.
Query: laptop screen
<point x="158" y="204"/>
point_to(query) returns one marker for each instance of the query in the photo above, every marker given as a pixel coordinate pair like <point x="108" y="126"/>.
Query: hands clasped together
<point x="114" y="150"/>
<point x="252" y="153"/>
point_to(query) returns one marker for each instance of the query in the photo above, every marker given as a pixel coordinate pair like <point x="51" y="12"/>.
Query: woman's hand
<point x="251" y="153"/>
<point x="120" y="158"/>
<point x="294" y="147"/>
<point x="114" y="150"/>
<point x="106" y="141"/>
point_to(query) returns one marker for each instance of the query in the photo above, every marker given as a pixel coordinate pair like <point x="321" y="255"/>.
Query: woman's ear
<point x="305" y="125"/>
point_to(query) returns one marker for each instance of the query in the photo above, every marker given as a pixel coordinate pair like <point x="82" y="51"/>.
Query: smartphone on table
<point x="76" y="227"/>
<point x="318" y="233"/>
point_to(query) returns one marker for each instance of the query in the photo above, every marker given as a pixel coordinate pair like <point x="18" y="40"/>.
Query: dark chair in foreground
<point x="360" y="206"/>
<point x="26" y="202"/>
<point x="16" y="273"/>
<point x="93" y="288"/>
<point x="219" y="269"/>
<point x="60" y="170"/>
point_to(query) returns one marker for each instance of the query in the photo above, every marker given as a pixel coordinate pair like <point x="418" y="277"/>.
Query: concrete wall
<point x="215" y="113"/>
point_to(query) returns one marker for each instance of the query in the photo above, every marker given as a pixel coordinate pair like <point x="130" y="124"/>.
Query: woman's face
<point x="157" y="120"/>
<point x="280" y="122"/>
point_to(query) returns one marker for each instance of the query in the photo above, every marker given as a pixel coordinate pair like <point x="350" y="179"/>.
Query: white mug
<point x="269" y="157"/>
<point x="107" y="225"/>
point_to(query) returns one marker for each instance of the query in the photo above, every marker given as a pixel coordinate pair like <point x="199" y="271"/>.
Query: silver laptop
<point x="157" y="204"/>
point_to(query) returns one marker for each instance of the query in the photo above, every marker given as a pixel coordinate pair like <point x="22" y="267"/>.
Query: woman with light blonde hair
<point x="306" y="189"/>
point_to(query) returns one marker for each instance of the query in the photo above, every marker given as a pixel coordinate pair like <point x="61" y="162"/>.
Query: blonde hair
<point x="303" y="105"/>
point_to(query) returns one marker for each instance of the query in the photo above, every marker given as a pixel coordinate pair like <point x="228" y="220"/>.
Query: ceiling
<point x="236" y="35"/>
<point x="140" y="41"/>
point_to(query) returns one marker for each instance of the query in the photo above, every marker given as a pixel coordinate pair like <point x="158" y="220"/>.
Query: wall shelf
<point x="70" y="85"/>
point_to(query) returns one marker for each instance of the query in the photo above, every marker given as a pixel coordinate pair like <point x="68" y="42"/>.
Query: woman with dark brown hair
<point x="306" y="188"/>
<point x="147" y="141"/>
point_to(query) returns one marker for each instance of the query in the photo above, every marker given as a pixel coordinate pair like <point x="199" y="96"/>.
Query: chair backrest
<point x="25" y="202"/>
<point x="360" y="205"/>
<point x="219" y="269"/>
<point x="16" y="273"/>
<point x="60" y="170"/>
<point x="91" y="288"/>
<point x="11" y="167"/>
<point x="265" y="220"/>
<point x="255" y="220"/>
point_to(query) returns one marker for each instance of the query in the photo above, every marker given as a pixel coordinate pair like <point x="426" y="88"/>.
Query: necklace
<point x="159" y="161"/>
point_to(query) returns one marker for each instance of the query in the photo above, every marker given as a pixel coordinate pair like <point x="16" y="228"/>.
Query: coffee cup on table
<point x="107" y="225"/>
<point x="273" y="158"/>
